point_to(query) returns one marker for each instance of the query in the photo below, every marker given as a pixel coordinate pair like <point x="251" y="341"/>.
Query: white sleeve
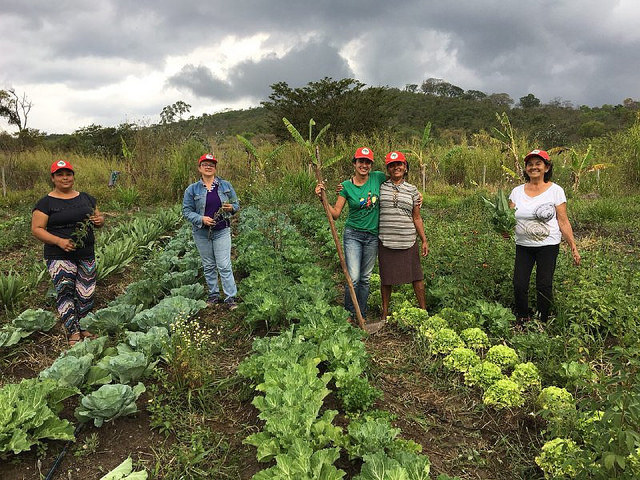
<point x="512" y="195"/>
<point x="559" y="195"/>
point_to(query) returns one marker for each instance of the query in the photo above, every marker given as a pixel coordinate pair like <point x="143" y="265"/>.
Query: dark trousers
<point x="545" y="260"/>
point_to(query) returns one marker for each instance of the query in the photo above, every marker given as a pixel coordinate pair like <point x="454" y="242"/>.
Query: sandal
<point x="74" y="338"/>
<point x="87" y="334"/>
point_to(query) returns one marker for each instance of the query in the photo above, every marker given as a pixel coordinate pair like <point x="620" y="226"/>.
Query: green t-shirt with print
<point x="363" y="201"/>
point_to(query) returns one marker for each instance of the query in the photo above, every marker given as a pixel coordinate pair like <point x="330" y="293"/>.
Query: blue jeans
<point x="215" y="252"/>
<point x="360" y="252"/>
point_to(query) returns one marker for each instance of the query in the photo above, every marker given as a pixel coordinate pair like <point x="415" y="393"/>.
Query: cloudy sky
<point x="114" y="61"/>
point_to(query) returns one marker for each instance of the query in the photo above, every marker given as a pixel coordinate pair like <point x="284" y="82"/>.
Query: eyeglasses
<point x="207" y="164"/>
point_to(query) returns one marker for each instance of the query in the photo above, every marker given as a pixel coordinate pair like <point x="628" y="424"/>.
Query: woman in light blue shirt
<point x="208" y="204"/>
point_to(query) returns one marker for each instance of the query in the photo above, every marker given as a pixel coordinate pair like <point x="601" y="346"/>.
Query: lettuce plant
<point x="10" y="335"/>
<point x="475" y="338"/>
<point x="29" y="413"/>
<point x="445" y="340"/>
<point x="461" y="359"/>
<point x="428" y="328"/>
<point x="560" y="458"/>
<point x="301" y="462"/>
<point x="526" y="375"/>
<point x="556" y="400"/>
<point x="409" y="317"/>
<point x="503" y="356"/>
<point x="484" y="374"/>
<point x="124" y="471"/>
<point x="407" y="466"/>
<point x="502" y="394"/>
<point x="109" y="402"/>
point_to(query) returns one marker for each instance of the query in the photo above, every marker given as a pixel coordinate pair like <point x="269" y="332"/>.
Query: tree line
<point x="351" y="107"/>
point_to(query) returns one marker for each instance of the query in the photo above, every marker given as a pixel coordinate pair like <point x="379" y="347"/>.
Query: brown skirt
<point x="399" y="266"/>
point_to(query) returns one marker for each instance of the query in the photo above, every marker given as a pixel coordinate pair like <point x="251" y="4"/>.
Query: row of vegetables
<point x="478" y="345"/>
<point x="116" y="248"/>
<point x="105" y="373"/>
<point x="319" y="356"/>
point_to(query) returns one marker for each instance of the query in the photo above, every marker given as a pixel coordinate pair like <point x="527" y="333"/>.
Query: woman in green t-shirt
<point x="360" y="239"/>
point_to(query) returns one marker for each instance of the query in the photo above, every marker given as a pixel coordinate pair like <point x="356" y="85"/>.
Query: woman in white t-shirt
<point x="541" y="223"/>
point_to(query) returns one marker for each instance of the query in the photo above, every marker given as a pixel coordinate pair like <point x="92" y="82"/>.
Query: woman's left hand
<point x="576" y="255"/>
<point x="425" y="249"/>
<point x="227" y="207"/>
<point x="97" y="219"/>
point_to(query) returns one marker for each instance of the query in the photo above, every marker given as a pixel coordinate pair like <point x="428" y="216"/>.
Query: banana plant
<point x="506" y="136"/>
<point x="580" y="163"/>
<point x="262" y="161"/>
<point x="420" y="152"/>
<point x="312" y="147"/>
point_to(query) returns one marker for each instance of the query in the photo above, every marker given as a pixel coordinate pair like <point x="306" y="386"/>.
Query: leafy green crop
<point x="124" y="471"/>
<point x="29" y="414"/>
<point x="475" y="338"/>
<point x="109" y="402"/>
<point x="405" y="466"/>
<point x="35" y="320"/>
<point x="445" y="340"/>
<point x="560" y="458"/>
<point x="127" y="367"/>
<point x="503" y="217"/>
<point x="503" y="393"/>
<point x="526" y="375"/>
<point x="484" y="374"/>
<point x="69" y="370"/>
<point x="112" y="319"/>
<point x="503" y="356"/>
<point x="461" y="359"/>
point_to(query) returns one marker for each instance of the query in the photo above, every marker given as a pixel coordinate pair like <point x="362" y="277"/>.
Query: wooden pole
<point x="334" y="234"/>
<point x="4" y="184"/>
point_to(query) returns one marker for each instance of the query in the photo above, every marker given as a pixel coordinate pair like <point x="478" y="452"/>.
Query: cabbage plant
<point x="109" y="402"/>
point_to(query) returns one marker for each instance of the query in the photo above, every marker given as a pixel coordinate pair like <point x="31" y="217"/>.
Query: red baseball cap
<point x="59" y="165"/>
<point x="394" y="157"/>
<point x="537" y="153"/>
<point x="364" y="152"/>
<point x="208" y="157"/>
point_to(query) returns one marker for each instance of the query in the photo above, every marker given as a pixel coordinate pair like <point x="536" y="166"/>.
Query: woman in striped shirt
<point x="400" y="225"/>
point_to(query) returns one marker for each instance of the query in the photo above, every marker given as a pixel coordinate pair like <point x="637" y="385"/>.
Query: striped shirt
<point x="397" y="230"/>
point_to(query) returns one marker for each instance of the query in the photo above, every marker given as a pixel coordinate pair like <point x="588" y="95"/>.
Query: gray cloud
<point x="311" y="61"/>
<point x="586" y="51"/>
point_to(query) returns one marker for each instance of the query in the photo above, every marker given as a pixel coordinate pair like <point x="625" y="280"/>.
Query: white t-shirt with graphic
<point x="536" y="220"/>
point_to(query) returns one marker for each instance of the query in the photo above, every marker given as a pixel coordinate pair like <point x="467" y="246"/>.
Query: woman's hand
<point x="576" y="255"/>
<point x="207" y="221"/>
<point x="319" y="188"/>
<point x="227" y="207"/>
<point x="66" y="244"/>
<point x="97" y="219"/>
<point x="425" y="249"/>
